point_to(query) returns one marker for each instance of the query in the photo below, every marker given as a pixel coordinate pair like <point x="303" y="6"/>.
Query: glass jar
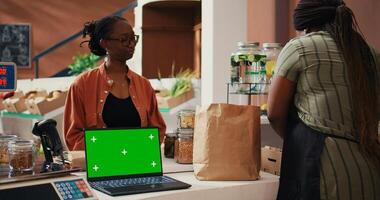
<point x="244" y="56"/>
<point x="186" y="119"/>
<point x="183" y="152"/>
<point x="271" y="50"/>
<point x="21" y="155"/>
<point x="4" y="140"/>
<point x="169" y="144"/>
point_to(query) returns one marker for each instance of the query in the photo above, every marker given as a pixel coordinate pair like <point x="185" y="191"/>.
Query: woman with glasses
<point x="111" y="95"/>
<point x="324" y="102"/>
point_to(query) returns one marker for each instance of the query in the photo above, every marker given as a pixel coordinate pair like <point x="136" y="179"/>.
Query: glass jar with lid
<point x="243" y="59"/>
<point x="4" y="140"/>
<point x="183" y="152"/>
<point x="186" y="119"/>
<point x="169" y="144"/>
<point x="21" y="155"/>
<point x="271" y="50"/>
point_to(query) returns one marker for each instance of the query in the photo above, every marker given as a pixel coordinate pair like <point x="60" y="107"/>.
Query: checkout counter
<point x="265" y="188"/>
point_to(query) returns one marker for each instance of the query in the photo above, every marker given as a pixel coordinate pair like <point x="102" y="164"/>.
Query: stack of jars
<point x="179" y="145"/>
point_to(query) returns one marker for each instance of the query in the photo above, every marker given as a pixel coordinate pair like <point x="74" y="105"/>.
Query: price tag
<point x="8" y="76"/>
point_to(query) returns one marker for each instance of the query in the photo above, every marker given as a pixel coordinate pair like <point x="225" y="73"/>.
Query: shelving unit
<point x="253" y="89"/>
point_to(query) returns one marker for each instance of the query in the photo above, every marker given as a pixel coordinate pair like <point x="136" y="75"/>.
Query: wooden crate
<point x="271" y="160"/>
<point x="15" y="104"/>
<point x="170" y="102"/>
<point x="43" y="105"/>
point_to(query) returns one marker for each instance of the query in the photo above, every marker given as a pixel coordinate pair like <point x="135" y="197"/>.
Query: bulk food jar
<point x="21" y="155"/>
<point x="4" y="158"/>
<point x="183" y="152"/>
<point x="169" y="144"/>
<point x="186" y="119"/>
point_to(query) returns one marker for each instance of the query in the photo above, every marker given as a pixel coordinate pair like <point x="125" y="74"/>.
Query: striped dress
<point x="323" y="101"/>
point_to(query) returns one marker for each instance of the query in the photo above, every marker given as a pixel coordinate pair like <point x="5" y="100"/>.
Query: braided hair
<point x="339" y="21"/>
<point x="98" y="30"/>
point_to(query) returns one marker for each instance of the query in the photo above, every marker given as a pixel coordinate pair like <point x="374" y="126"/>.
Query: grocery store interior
<point x="210" y="63"/>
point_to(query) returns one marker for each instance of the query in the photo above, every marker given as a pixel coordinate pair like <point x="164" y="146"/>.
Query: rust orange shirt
<point x="86" y="97"/>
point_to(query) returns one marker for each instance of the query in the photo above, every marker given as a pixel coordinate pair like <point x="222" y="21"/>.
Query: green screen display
<point x="118" y="152"/>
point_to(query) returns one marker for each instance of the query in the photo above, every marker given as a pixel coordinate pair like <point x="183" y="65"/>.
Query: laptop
<point x="126" y="161"/>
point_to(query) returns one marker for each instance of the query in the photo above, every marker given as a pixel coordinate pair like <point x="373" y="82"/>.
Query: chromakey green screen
<point x="122" y="152"/>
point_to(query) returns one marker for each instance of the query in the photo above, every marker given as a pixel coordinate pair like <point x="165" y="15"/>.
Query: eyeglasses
<point x="126" y="41"/>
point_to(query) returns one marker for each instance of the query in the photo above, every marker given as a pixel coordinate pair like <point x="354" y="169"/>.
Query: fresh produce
<point x="83" y="62"/>
<point x="183" y="83"/>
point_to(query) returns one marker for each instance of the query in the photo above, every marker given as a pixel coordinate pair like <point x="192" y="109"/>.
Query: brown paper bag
<point x="227" y="142"/>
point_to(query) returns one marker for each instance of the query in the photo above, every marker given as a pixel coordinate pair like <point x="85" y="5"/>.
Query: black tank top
<point x="120" y="112"/>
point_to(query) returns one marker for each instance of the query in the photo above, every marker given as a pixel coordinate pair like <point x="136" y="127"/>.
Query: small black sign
<point x="15" y="44"/>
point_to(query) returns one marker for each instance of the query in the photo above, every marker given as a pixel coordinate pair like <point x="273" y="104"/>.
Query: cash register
<point x="53" y="180"/>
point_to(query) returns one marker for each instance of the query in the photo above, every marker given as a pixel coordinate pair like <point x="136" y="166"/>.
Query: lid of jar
<point x="21" y="143"/>
<point x="185" y="131"/>
<point x="171" y="134"/>
<point x="248" y="44"/>
<point x="8" y="137"/>
<point x="271" y="45"/>
<point x="186" y="112"/>
<point x="185" y="135"/>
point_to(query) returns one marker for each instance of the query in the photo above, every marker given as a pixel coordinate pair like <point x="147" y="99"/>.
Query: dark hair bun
<point x="89" y="29"/>
<point x="98" y="30"/>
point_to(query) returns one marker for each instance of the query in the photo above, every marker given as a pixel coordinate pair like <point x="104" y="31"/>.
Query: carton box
<point x="43" y="105"/>
<point x="15" y="104"/>
<point x="171" y="102"/>
<point x="271" y="160"/>
<point x="1" y="104"/>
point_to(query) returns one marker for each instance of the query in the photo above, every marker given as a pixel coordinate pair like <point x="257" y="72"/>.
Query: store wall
<point x="53" y="21"/>
<point x="267" y="20"/>
<point x="368" y="16"/>
<point x="169" y="37"/>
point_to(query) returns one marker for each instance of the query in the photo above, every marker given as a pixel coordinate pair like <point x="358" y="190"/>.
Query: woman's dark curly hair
<point x="98" y="30"/>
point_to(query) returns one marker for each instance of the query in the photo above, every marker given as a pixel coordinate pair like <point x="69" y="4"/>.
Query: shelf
<point x="27" y="115"/>
<point x="253" y="90"/>
<point x="245" y="93"/>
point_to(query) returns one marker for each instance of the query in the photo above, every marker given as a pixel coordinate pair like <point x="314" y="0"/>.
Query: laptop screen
<point x="121" y="152"/>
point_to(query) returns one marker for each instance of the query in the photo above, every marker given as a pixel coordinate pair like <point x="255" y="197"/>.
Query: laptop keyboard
<point x="132" y="181"/>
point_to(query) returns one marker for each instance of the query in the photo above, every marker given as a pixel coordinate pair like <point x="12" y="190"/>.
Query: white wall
<point x="224" y="23"/>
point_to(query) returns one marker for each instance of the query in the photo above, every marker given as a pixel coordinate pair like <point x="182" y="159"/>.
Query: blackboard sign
<point x="15" y="44"/>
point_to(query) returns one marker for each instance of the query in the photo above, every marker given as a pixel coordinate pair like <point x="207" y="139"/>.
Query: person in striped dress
<point x="325" y="102"/>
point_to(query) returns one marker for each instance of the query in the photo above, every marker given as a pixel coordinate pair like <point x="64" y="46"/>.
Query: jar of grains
<point x="21" y="155"/>
<point x="169" y="144"/>
<point x="183" y="152"/>
<point x="186" y="119"/>
<point x="4" y="140"/>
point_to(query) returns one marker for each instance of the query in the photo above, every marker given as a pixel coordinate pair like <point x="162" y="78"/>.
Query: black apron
<point x="300" y="164"/>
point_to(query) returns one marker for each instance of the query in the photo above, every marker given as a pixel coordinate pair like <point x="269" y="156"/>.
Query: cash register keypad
<point x="73" y="189"/>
